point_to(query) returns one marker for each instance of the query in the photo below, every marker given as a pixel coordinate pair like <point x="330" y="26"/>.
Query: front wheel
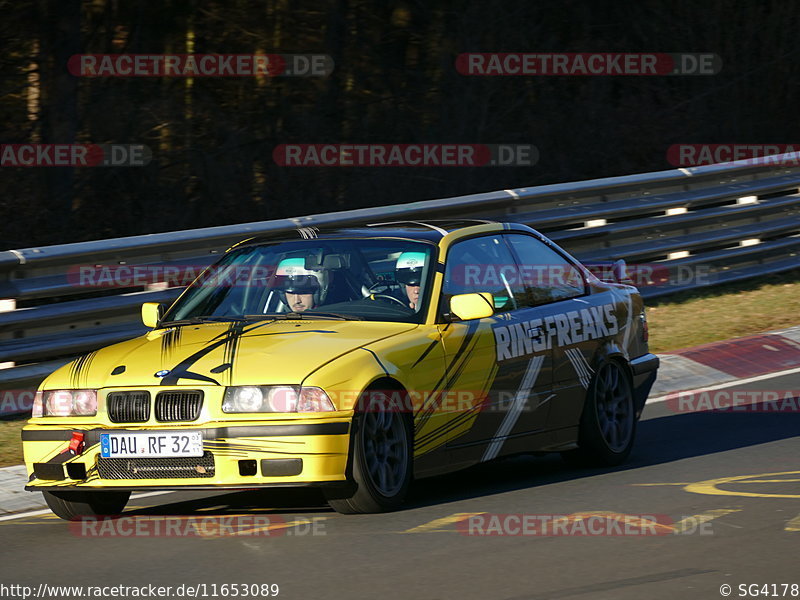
<point x="608" y="423"/>
<point x="380" y="463"/>
<point x="72" y="506"/>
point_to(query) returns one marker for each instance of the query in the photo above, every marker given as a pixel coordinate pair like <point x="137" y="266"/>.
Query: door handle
<point x="534" y="332"/>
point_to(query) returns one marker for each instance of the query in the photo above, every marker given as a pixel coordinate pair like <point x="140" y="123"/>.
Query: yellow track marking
<point x="710" y="486"/>
<point x="652" y="484"/>
<point x="622" y="517"/>
<point x="793" y="525"/>
<point x="746" y="481"/>
<point x="771" y="481"/>
<point x="704" y="517"/>
<point x="255" y="530"/>
<point x="439" y="524"/>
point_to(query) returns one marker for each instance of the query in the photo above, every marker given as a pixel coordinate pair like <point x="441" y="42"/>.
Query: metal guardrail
<point x="737" y="220"/>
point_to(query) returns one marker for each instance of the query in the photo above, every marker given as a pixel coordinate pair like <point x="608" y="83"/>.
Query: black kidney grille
<point x="178" y="406"/>
<point x="128" y="407"/>
<point x="156" y="468"/>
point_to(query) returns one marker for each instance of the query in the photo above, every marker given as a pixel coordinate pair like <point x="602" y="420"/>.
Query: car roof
<point x="430" y="230"/>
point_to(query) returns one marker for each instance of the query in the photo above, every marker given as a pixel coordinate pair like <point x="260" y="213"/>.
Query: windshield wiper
<point x="305" y="316"/>
<point x="201" y="320"/>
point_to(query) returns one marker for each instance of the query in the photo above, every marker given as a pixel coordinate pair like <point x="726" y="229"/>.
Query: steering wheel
<point x="383" y="286"/>
<point x="388" y="297"/>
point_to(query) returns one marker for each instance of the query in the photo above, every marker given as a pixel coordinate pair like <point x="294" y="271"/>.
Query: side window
<point x="483" y="264"/>
<point x="549" y="276"/>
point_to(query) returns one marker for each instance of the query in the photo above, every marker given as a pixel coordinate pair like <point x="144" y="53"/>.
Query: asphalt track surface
<point x="740" y="531"/>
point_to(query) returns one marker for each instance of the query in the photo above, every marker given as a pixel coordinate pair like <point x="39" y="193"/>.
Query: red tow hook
<point x="76" y="444"/>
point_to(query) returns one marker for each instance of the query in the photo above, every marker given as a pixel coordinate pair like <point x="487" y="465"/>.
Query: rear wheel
<point x="380" y="461"/>
<point x="608" y="423"/>
<point x="74" y="505"/>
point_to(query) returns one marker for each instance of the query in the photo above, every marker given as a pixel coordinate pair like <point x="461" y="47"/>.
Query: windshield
<point x="351" y="279"/>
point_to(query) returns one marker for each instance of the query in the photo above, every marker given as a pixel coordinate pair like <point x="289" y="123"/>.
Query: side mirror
<point x="472" y="306"/>
<point x="151" y="313"/>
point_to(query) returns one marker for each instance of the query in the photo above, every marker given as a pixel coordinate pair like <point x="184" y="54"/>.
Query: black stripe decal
<point x="77" y="368"/>
<point x="443" y="430"/>
<point x="179" y="488"/>
<point x="223" y="339"/>
<point x="428" y="350"/>
<point x="213" y="433"/>
<point x="170" y="341"/>
<point x="235" y="331"/>
<point x="449" y="377"/>
<point x="377" y="360"/>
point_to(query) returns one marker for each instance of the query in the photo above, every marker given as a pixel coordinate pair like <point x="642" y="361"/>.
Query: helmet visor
<point x="291" y="276"/>
<point x="409" y="276"/>
<point x="297" y="284"/>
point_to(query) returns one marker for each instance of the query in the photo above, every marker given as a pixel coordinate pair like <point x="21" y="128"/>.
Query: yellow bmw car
<point x="353" y="360"/>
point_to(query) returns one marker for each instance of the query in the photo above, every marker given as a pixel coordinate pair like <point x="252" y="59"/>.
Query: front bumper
<point x="237" y="455"/>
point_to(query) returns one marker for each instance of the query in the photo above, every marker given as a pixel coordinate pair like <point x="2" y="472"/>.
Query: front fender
<point x="346" y="377"/>
<point x="415" y="360"/>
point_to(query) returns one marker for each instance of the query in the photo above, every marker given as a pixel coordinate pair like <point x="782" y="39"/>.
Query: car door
<point x="574" y="325"/>
<point x="495" y="372"/>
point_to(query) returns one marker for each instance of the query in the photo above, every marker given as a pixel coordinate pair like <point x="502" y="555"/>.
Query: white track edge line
<point x="728" y="384"/>
<point x="44" y="511"/>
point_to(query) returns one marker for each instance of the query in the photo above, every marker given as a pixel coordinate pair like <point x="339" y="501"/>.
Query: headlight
<point x="314" y="399"/>
<point x="243" y="399"/>
<point x="68" y="403"/>
<point x="38" y="405"/>
<point x="282" y="398"/>
<point x="275" y="399"/>
<point x="84" y="402"/>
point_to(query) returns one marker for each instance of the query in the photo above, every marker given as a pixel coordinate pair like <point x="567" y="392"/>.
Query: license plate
<point x="151" y="445"/>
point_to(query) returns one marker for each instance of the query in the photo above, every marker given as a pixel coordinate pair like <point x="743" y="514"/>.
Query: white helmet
<point x="409" y="267"/>
<point x="292" y="276"/>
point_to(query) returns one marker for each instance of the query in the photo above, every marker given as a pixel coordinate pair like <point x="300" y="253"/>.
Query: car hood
<point x="255" y="353"/>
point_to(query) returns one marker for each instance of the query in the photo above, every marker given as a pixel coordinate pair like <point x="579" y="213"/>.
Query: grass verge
<point x="724" y="312"/>
<point x="10" y="443"/>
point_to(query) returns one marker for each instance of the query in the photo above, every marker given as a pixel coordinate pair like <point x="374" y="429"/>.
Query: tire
<point x="608" y="423"/>
<point x="72" y="506"/>
<point x="381" y="464"/>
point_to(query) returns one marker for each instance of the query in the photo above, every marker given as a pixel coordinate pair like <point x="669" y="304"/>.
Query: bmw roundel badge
<point x="163" y="373"/>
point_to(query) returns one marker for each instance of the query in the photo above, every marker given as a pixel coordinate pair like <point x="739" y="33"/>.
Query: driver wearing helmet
<point x="408" y="272"/>
<point x="300" y="289"/>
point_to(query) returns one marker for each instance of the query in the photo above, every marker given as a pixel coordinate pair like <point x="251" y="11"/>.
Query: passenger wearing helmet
<point x="408" y="272"/>
<point x="300" y="289"/>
